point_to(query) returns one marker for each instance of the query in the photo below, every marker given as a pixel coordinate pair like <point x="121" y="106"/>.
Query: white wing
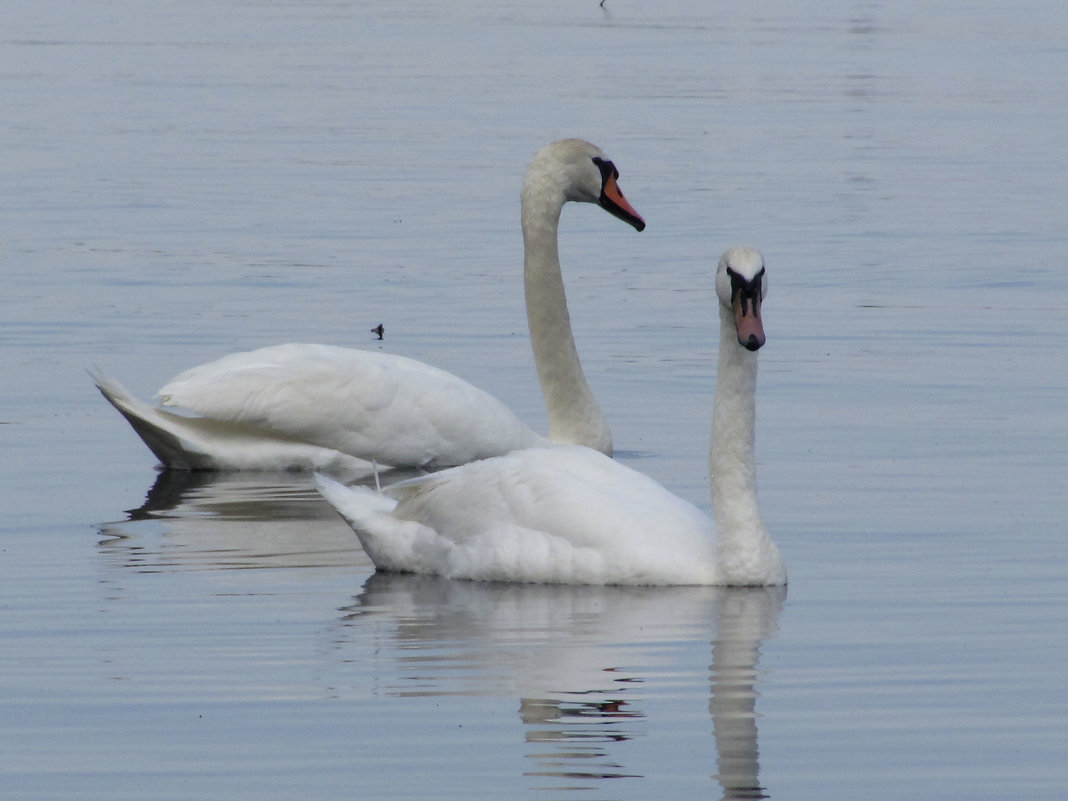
<point x="558" y="514"/>
<point x="378" y="406"/>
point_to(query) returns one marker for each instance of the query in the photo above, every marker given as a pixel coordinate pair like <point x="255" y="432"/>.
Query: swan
<point x="307" y="406"/>
<point x="569" y="514"/>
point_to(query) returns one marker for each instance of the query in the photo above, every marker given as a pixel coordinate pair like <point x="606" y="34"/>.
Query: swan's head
<point x="742" y="285"/>
<point x="575" y="170"/>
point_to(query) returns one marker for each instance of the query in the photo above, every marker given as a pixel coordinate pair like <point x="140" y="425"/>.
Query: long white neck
<point x="746" y="553"/>
<point x="574" y="416"/>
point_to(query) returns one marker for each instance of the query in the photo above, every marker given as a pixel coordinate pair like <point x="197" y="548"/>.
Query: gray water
<point x="181" y="180"/>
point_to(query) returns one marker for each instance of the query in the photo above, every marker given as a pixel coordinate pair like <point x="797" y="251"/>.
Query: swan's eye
<point x="748" y="293"/>
<point x="607" y="168"/>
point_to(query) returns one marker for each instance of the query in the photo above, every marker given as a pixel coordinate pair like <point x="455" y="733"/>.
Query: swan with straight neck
<point x="571" y="515"/>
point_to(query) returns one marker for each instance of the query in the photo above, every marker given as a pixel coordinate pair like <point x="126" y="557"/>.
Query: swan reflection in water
<point x="589" y="665"/>
<point x="585" y="662"/>
<point x="202" y="520"/>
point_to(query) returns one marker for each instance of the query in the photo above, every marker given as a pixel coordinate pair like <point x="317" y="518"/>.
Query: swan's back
<point x="559" y="514"/>
<point x="380" y="406"/>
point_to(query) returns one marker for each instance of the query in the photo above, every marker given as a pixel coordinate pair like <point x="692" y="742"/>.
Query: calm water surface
<point x="182" y="180"/>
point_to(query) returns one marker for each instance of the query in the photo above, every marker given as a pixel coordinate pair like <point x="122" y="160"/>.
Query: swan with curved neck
<point x="571" y="515"/>
<point x="319" y="407"/>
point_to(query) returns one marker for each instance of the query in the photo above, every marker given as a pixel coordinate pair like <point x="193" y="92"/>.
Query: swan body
<point x="317" y="407"/>
<point x="572" y="515"/>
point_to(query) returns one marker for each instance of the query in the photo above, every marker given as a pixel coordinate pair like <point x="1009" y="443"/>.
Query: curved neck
<point x="574" y="416"/>
<point x="732" y="459"/>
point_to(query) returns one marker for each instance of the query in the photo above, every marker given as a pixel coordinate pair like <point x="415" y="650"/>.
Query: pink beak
<point x="747" y="322"/>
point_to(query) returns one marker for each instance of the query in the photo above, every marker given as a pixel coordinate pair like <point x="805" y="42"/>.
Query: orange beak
<point x="747" y="320"/>
<point x="613" y="200"/>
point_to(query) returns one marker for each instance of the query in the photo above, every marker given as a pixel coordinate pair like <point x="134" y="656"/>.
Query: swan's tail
<point x="201" y="443"/>
<point x="359" y="505"/>
<point x="170" y="437"/>
<point x="393" y="544"/>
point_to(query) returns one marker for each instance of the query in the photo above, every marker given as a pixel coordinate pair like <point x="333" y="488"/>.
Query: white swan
<point x="300" y="406"/>
<point x="572" y="515"/>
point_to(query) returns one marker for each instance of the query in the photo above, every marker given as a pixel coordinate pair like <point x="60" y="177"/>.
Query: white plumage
<point x="306" y="406"/>
<point x="572" y="515"/>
